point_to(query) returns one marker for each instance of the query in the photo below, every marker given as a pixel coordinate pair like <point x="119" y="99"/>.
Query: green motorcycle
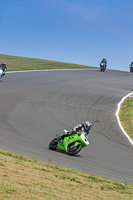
<point x="70" y="144"/>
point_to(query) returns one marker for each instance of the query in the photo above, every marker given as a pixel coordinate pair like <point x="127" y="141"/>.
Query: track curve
<point x="34" y="106"/>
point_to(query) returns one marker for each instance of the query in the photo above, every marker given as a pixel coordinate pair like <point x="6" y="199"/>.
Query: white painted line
<point x="48" y="70"/>
<point x="117" y="115"/>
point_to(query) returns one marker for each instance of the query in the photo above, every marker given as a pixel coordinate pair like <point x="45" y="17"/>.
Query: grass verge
<point x="25" y="178"/>
<point x="126" y="116"/>
<point x="16" y="63"/>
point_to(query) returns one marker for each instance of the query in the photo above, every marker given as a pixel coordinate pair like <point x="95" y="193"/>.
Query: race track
<point x="34" y="106"/>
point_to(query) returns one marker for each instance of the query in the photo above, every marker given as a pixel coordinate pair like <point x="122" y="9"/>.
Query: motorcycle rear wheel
<point x="53" y="144"/>
<point x="73" y="150"/>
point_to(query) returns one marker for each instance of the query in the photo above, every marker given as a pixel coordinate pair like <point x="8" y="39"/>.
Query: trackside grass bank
<point x="15" y="63"/>
<point x="23" y="178"/>
<point x="126" y="116"/>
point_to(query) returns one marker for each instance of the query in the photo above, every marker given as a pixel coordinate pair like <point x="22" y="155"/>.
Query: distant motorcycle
<point x="70" y="144"/>
<point x="102" y="67"/>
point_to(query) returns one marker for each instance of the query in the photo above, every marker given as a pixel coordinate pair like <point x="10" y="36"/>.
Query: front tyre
<point x="53" y="144"/>
<point x="73" y="150"/>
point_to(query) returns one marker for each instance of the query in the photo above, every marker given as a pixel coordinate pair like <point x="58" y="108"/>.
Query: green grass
<point x="16" y="63"/>
<point x="126" y="116"/>
<point x="26" y="178"/>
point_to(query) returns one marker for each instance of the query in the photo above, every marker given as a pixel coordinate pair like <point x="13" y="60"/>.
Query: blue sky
<point x="74" y="31"/>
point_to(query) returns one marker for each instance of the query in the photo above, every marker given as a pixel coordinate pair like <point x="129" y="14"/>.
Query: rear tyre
<point x="73" y="150"/>
<point x="53" y="144"/>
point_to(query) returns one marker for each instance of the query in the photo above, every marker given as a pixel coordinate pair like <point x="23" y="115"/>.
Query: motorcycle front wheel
<point x="73" y="150"/>
<point x="53" y="144"/>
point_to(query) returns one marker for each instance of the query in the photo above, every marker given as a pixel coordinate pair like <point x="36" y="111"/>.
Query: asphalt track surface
<point x="35" y="106"/>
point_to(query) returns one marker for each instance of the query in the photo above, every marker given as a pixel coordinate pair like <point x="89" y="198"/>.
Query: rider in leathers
<point x="104" y="61"/>
<point x="79" y="128"/>
<point x="3" y="67"/>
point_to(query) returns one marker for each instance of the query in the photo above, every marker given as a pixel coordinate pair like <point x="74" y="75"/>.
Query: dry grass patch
<point x="24" y="178"/>
<point x="126" y="116"/>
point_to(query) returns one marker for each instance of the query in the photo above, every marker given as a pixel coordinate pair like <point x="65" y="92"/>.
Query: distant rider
<point x="79" y="128"/>
<point x="104" y="61"/>
<point x="131" y="67"/>
<point x="3" y="67"/>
